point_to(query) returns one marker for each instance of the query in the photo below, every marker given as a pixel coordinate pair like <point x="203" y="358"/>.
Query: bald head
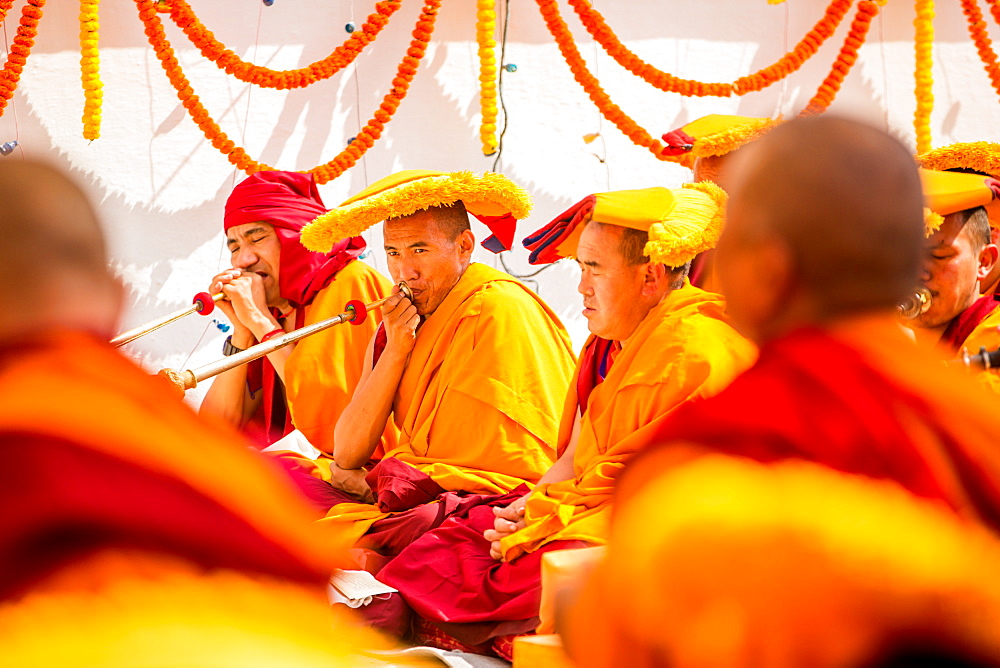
<point x="53" y="259"/>
<point x="844" y="202"/>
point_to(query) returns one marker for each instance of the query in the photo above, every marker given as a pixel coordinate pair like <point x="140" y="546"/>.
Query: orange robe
<point x="478" y="404"/>
<point x="729" y="562"/>
<point x="324" y="369"/>
<point x="682" y="351"/>
<point x="136" y="528"/>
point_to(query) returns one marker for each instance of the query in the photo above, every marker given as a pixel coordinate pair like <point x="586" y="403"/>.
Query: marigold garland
<point x="594" y="22"/>
<point x="90" y="70"/>
<point x="923" y="43"/>
<point x="203" y="39"/>
<point x="27" y="30"/>
<point x="486" y="22"/>
<point x="977" y="30"/>
<point x="611" y="111"/>
<point x="867" y="10"/>
<point x="994" y="9"/>
<point x="5" y="6"/>
<point x="237" y="154"/>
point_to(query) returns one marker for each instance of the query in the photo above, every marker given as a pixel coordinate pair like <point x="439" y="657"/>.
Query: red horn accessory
<point x="359" y="309"/>
<point x="204" y="303"/>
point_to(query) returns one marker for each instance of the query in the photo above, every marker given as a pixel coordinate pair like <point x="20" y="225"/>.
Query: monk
<point x="472" y="370"/>
<point x="274" y="286"/>
<point x="707" y="146"/>
<point x="982" y="158"/>
<point x="135" y="528"/>
<point x="960" y="258"/>
<point x="805" y="268"/>
<point x="656" y="343"/>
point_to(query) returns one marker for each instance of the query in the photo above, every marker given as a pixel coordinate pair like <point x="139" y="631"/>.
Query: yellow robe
<point x="986" y="334"/>
<point x="324" y="369"/>
<point x="478" y="404"/>
<point x="683" y="349"/>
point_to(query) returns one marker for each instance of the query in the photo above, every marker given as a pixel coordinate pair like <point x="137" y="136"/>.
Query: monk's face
<point x="255" y="247"/>
<point x="953" y="268"/>
<point x="425" y="256"/>
<point x="614" y="299"/>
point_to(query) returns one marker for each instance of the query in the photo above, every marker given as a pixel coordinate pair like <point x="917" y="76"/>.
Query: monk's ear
<point x="466" y="242"/>
<point x="987" y="260"/>
<point x="655" y="278"/>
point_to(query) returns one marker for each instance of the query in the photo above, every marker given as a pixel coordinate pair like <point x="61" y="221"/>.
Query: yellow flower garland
<point x="90" y="70"/>
<point x="923" y="41"/>
<point x="486" y="21"/>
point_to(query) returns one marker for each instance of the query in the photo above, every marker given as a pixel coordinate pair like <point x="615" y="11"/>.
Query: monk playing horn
<point x="276" y="285"/>
<point x="961" y="266"/>
<point x="472" y="370"/>
<point x="130" y="520"/>
<point x="825" y="236"/>
<point x="657" y="342"/>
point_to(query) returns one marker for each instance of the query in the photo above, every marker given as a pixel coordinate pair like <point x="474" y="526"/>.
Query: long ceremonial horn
<point x="356" y="312"/>
<point x="203" y="304"/>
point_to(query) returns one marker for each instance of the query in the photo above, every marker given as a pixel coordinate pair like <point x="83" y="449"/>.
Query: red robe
<point x="860" y="399"/>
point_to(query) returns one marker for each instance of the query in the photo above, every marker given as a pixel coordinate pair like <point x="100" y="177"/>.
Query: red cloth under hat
<point x="288" y="201"/>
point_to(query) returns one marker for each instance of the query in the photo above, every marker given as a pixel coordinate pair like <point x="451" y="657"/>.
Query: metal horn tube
<point x="189" y="378"/>
<point x="203" y="303"/>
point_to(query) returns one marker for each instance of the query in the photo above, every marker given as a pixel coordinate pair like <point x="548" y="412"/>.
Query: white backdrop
<point x="161" y="187"/>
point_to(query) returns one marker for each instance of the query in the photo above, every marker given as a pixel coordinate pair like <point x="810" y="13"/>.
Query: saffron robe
<point x="859" y="398"/>
<point x="478" y="404"/>
<point x="985" y="334"/>
<point x="682" y="350"/>
<point x="324" y="368"/>
<point x="98" y="453"/>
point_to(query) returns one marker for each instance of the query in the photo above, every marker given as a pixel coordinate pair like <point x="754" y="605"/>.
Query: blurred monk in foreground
<point x="133" y="528"/>
<point x="825" y="236"/>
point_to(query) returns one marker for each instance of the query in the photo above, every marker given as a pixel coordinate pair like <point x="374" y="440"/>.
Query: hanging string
<point x="503" y="68"/>
<point x="603" y="159"/>
<point x="236" y="170"/>
<point x="885" y="73"/>
<point x="526" y="278"/>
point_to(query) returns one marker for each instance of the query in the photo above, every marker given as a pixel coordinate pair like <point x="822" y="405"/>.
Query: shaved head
<point x="53" y="259"/>
<point x="841" y="203"/>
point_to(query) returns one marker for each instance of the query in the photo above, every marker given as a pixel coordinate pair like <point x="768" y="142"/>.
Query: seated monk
<point x="275" y="286"/>
<point x="657" y="343"/>
<point x="135" y="531"/>
<point x="472" y="369"/>
<point x="825" y="236"/>
<point x="706" y="146"/>
<point x="730" y="563"/>
<point x="960" y="257"/>
<point x="982" y="158"/>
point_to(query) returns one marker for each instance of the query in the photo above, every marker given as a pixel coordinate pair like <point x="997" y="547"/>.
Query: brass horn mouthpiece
<point x="915" y="304"/>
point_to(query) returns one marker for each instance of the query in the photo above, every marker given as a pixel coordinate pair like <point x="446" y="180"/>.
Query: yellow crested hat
<point x="681" y="223"/>
<point x="978" y="156"/>
<point x="949" y="192"/>
<point x="492" y="198"/>
<point x="716" y="134"/>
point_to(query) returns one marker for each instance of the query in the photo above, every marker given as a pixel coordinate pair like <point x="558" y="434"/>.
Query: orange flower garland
<point x="994" y="9"/>
<point x="237" y="155"/>
<point x="90" y="70"/>
<point x="5" y="6"/>
<point x="486" y="23"/>
<point x="867" y="10"/>
<point x="923" y="43"/>
<point x="20" y="49"/>
<point x="977" y="30"/>
<point x="790" y="62"/>
<point x="556" y="26"/>
<point x="182" y="14"/>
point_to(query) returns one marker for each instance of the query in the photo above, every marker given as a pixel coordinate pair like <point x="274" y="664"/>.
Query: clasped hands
<point x="506" y="521"/>
<point x="246" y="303"/>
